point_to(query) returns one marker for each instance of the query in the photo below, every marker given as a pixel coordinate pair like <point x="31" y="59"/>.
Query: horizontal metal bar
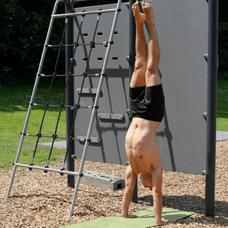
<point x="66" y="75"/>
<point x="105" y="43"/>
<point x="91" y="75"/>
<point x="96" y="140"/>
<point x="47" y="169"/>
<point x="90" y="107"/>
<point x="45" y="136"/>
<point x="68" y="106"/>
<point x="88" y="91"/>
<point x="107" y="116"/>
<point x="83" y="13"/>
<point x="53" y="106"/>
<point x="43" y="105"/>
<point x="51" y="75"/>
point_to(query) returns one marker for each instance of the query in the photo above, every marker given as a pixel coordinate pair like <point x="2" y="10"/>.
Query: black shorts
<point x="148" y="102"/>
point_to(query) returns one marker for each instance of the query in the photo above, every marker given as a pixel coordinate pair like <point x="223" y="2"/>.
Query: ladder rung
<point x="82" y="106"/>
<point x="110" y="117"/>
<point x="47" y="169"/>
<point x="88" y="92"/>
<point x="91" y="140"/>
<point x="51" y="75"/>
<point x="83" y="13"/>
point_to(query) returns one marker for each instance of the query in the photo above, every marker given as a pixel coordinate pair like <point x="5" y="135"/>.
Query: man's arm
<point x="130" y="180"/>
<point x="157" y="192"/>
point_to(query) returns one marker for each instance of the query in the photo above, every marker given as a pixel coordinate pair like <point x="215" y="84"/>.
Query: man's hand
<point x="131" y="216"/>
<point x="164" y="222"/>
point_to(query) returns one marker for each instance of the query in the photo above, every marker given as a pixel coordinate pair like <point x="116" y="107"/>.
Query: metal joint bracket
<point x="73" y="61"/>
<point x="99" y="13"/>
<point x="206" y="57"/>
<point x="205" y="116"/>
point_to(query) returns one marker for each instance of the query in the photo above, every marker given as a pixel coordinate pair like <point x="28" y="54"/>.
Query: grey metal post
<point x="211" y="107"/>
<point x="132" y="34"/>
<point x="69" y="94"/>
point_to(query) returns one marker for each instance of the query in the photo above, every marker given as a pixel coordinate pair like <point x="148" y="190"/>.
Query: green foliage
<point x="223" y="50"/>
<point x="223" y="7"/>
<point x="23" y="31"/>
<point x="223" y="40"/>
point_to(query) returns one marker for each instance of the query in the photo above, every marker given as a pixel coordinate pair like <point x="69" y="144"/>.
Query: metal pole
<point x="211" y="107"/>
<point x="69" y="94"/>
<point x="83" y="13"/>
<point x="132" y="34"/>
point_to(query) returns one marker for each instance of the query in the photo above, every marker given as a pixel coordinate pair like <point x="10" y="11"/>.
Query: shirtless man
<point x="147" y="101"/>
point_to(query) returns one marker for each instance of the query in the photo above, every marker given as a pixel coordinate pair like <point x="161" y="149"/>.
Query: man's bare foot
<point x="148" y="10"/>
<point x="139" y="17"/>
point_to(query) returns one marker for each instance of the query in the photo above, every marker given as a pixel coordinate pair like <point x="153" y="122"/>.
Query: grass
<point x="13" y="111"/>
<point x="222" y="106"/>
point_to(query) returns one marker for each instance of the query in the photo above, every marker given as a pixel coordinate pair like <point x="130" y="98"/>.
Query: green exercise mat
<point x="145" y="219"/>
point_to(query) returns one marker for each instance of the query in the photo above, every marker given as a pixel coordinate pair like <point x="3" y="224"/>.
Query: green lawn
<point x="13" y="110"/>
<point x="222" y="106"/>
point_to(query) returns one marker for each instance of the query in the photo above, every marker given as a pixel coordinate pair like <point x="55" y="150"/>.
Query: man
<point x="147" y="100"/>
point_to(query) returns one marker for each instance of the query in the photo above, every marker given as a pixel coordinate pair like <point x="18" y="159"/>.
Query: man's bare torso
<point x="142" y="150"/>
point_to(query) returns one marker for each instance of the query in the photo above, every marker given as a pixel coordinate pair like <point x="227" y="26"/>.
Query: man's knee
<point x="152" y="67"/>
<point x="140" y="65"/>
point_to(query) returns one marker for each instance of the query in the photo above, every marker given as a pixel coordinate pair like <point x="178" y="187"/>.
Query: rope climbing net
<point x="69" y="74"/>
<point x="90" y="46"/>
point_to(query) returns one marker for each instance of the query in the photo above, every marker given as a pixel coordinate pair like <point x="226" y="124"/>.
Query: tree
<point x="223" y="39"/>
<point x="24" y="27"/>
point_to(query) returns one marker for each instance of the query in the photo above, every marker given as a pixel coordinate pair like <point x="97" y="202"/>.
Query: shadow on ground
<point x="195" y="204"/>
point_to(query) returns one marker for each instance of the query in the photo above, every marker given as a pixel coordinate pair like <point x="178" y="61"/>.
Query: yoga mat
<point x="146" y="219"/>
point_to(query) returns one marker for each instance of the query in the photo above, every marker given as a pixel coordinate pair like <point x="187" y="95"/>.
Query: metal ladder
<point x="88" y="138"/>
<point x="97" y="92"/>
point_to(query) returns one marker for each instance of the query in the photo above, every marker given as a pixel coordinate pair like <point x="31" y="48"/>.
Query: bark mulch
<point x="43" y="200"/>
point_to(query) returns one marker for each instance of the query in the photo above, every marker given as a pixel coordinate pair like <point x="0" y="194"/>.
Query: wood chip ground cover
<point x="43" y="200"/>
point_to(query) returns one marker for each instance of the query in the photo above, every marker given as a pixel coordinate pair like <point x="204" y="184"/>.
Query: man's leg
<point x="152" y="71"/>
<point x="138" y="76"/>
